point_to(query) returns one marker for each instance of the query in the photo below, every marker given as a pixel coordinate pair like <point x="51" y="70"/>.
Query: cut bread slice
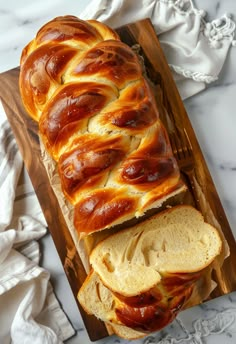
<point x="98" y="300"/>
<point x="176" y="240"/>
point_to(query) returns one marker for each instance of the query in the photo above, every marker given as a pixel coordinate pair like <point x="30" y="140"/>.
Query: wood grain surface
<point x="26" y="134"/>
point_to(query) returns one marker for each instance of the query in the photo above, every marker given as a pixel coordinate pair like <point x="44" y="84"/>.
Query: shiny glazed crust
<point x="99" y="121"/>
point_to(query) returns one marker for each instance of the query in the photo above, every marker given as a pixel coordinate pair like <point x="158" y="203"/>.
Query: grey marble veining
<point x="213" y="117"/>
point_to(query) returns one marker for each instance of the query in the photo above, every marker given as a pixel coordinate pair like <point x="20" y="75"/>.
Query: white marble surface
<point x="212" y="114"/>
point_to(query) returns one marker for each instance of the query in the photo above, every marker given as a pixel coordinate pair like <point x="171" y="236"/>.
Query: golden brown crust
<point x="41" y="73"/>
<point x="104" y="208"/>
<point x="69" y="111"/>
<point x="110" y="60"/>
<point x="99" y="121"/>
<point x="67" y="28"/>
<point x="155" y="309"/>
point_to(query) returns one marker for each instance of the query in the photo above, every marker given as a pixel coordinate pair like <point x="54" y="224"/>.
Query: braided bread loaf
<point x="99" y="121"/>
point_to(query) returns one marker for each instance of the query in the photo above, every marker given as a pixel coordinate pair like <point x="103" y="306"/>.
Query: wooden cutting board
<point x="26" y="134"/>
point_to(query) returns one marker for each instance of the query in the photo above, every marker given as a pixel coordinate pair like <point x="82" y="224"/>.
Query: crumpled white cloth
<point x="195" y="50"/>
<point x="29" y="310"/>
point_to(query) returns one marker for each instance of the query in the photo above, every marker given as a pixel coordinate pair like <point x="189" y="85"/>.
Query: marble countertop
<point x="212" y="114"/>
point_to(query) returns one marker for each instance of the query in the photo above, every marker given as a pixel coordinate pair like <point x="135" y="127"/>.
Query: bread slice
<point x="176" y="240"/>
<point x="98" y="300"/>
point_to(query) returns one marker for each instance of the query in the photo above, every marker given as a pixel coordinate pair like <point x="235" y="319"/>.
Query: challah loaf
<point x="144" y="275"/>
<point x="99" y="121"/>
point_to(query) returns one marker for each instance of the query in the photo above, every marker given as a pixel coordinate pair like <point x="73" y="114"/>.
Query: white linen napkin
<point x="196" y="51"/>
<point x="29" y="311"/>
